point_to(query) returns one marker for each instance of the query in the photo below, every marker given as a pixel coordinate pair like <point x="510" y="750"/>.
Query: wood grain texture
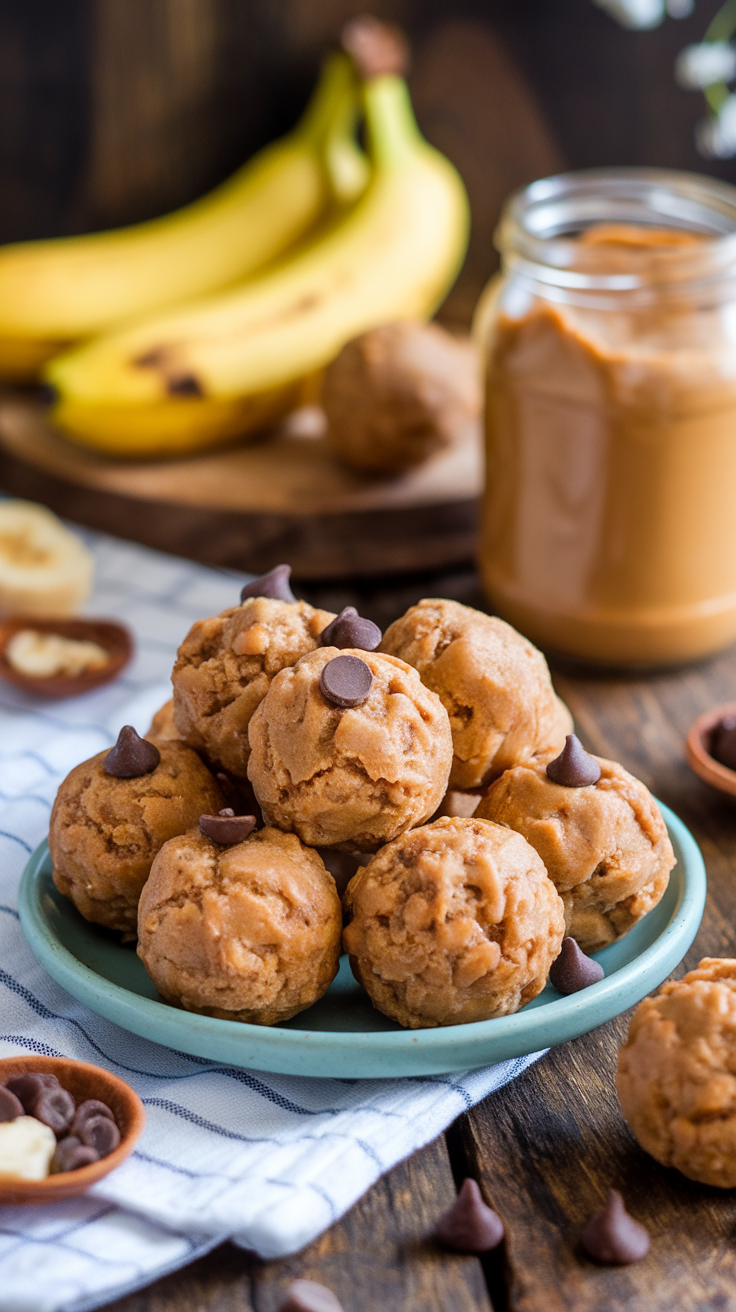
<point x="548" y="1148"/>
<point x="377" y="1258"/>
<point x="252" y="506"/>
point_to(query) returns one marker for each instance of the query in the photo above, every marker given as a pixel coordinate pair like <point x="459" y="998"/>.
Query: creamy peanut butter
<point x="609" y="527"/>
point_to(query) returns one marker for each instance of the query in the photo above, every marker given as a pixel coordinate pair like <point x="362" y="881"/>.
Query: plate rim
<point x="425" y="1051"/>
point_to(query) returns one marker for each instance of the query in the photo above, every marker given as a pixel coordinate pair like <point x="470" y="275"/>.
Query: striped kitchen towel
<point x="268" y="1160"/>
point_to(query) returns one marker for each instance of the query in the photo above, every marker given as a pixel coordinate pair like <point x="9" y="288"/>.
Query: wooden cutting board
<point x="282" y="498"/>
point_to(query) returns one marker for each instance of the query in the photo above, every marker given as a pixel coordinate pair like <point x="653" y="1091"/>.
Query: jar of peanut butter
<point x="609" y="520"/>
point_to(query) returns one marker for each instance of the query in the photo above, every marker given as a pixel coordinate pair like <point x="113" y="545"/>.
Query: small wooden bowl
<point x="82" y="1080"/>
<point x="114" y="638"/>
<point x="697" y="750"/>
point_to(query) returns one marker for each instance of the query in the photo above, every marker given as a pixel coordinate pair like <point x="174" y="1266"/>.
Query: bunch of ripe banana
<point x="232" y="305"/>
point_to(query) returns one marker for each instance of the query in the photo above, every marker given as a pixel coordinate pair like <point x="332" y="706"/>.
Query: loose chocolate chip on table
<point x="572" y="970"/>
<point x="308" y="1296"/>
<point x="574" y="767"/>
<point x="131" y="756"/>
<point x="70" y="1154"/>
<point x="274" y="585"/>
<point x="10" y="1106"/>
<point x="86" y="1110"/>
<point x="227" y="827"/>
<point x="613" y="1236"/>
<point x="100" y="1133"/>
<point x="723" y="742"/>
<point x="349" y="629"/>
<point x="346" y="681"/>
<point x="26" y="1086"/>
<point x="470" y="1225"/>
<point x="53" y="1107"/>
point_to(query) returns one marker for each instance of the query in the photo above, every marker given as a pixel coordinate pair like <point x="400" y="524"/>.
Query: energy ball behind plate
<point x="494" y="685"/>
<point x="163" y="725"/>
<point x="399" y="394"/>
<point x="604" y="844"/>
<point x="676" y="1077"/>
<point x="451" y="923"/>
<point x="106" y="828"/>
<point x="349" y="749"/>
<point x="247" y="932"/>
<point x="224" y="669"/>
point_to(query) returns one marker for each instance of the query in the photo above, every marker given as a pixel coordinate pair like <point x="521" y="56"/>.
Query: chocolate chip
<point x="53" y="1107"/>
<point x="274" y="585"/>
<point x="346" y="681"/>
<point x="573" y="971"/>
<point x="574" y="767"/>
<point x="27" y="1086"/>
<point x="308" y="1296"/>
<point x="470" y="1225"/>
<point x="613" y="1236"/>
<point x="11" y="1107"/>
<point x="184" y="385"/>
<point x="131" y="756"/>
<point x="100" y="1133"/>
<point x="341" y="865"/>
<point x="70" y="1154"/>
<point x="227" y="827"/>
<point x="723" y="742"/>
<point x="349" y="629"/>
<point x="86" y="1110"/>
<point x="240" y="796"/>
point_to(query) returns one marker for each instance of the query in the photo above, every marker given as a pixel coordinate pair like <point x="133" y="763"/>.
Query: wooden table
<point x="546" y="1148"/>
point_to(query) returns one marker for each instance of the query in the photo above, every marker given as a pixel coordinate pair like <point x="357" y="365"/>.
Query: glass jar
<point x="609" y="520"/>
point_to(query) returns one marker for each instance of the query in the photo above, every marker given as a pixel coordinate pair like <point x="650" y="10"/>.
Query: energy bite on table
<point x="605" y="844"/>
<point x="224" y="669"/>
<point x="106" y="828"/>
<point x="454" y="922"/>
<point x="163" y="726"/>
<point x="676" y="1077"/>
<point x="247" y="932"/>
<point x="494" y="685"/>
<point x="349" y="749"/>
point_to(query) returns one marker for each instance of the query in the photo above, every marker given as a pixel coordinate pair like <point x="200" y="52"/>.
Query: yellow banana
<point x="53" y="292"/>
<point x="225" y="365"/>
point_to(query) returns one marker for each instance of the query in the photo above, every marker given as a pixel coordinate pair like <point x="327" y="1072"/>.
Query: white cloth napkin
<point x="269" y="1160"/>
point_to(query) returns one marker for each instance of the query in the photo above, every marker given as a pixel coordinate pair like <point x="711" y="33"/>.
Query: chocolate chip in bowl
<point x="62" y="657"/>
<point x="711" y="745"/>
<point x="76" y="1120"/>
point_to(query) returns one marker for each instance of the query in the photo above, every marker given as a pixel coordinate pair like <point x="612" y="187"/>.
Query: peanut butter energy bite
<point x="454" y="922"/>
<point x="599" y="834"/>
<point x="224" y="669"/>
<point x="676" y="1076"/>
<point x="114" y="812"/>
<point x="248" y="931"/>
<point x="349" y="749"/>
<point x="494" y="685"/>
<point x="163" y="726"/>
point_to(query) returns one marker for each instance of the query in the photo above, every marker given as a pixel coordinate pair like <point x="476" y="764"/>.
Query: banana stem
<point x="392" y="128"/>
<point x="336" y="87"/>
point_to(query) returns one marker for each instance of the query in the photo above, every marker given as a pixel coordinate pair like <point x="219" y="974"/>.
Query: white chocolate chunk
<point x="43" y="654"/>
<point x="26" y="1149"/>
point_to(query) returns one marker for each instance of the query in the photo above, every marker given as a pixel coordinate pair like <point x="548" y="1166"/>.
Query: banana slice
<point x="44" y="569"/>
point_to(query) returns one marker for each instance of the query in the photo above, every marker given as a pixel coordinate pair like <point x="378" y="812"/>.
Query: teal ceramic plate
<point x="342" y="1036"/>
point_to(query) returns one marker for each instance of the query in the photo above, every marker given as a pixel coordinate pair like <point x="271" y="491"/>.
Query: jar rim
<point x="540" y="223"/>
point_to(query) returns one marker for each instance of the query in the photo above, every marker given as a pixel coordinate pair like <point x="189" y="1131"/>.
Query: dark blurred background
<point x="118" y="110"/>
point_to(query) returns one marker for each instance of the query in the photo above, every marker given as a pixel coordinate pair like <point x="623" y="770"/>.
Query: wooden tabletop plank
<point x="377" y="1259"/>
<point x="549" y="1146"/>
